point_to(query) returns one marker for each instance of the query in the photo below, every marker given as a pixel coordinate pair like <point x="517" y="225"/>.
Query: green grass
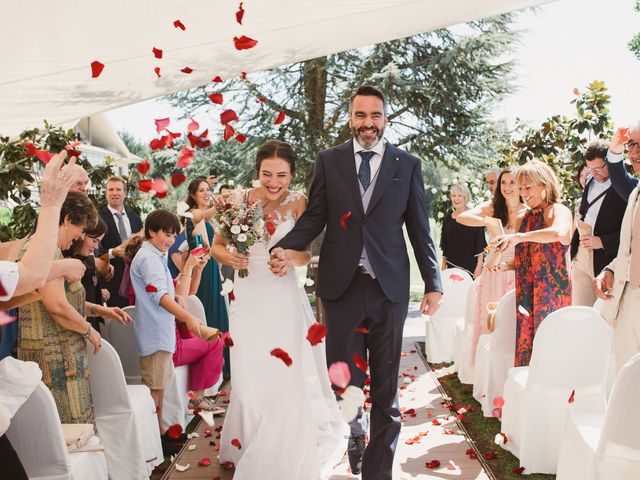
<point x="483" y="429"/>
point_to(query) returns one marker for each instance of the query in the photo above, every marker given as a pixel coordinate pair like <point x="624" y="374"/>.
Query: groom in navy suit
<point x="364" y="192"/>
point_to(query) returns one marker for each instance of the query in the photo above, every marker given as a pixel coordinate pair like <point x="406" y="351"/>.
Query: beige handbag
<point x="76" y="435"/>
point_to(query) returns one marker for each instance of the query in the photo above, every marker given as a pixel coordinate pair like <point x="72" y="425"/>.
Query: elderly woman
<point x="540" y="262"/>
<point x="52" y="330"/>
<point x="461" y="245"/>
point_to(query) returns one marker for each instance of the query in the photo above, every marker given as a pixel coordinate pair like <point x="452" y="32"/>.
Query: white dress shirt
<point x="127" y="223"/>
<point x="595" y="189"/>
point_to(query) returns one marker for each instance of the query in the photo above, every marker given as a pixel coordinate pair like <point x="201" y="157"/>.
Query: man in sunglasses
<point x="619" y="282"/>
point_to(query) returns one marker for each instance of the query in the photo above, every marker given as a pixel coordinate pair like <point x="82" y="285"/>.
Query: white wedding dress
<point x="286" y="419"/>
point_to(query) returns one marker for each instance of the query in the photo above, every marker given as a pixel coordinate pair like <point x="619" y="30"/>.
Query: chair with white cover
<point x="122" y="338"/>
<point x="440" y="328"/>
<point x="605" y="445"/>
<point x="495" y="354"/>
<point x="36" y="435"/>
<point x="125" y="418"/>
<point x="463" y="363"/>
<point x="571" y="353"/>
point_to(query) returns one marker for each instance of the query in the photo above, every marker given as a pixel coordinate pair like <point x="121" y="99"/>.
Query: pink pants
<point x="204" y="359"/>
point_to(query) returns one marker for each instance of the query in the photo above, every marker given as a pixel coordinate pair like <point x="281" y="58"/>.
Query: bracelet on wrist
<point x="89" y="332"/>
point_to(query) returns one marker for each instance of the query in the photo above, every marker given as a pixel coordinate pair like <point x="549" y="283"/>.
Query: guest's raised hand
<point x="57" y="180"/>
<point x="73" y="269"/>
<point x="430" y="303"/>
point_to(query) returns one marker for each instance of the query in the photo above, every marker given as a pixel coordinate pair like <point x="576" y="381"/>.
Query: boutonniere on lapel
<point x="343" y="220"/>
<point x="396" y="158"/>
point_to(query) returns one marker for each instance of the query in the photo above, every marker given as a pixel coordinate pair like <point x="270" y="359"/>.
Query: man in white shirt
<point x="597" y="236"/>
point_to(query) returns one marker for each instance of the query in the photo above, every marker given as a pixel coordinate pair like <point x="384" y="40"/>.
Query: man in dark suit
<point x="122" y="224"/>
<point x="622" y="182"/>
<point x="364" y="192"/>
<point x="601" y="211"/>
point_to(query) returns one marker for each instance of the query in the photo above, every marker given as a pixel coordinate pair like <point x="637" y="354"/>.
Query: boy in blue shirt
<point x="157" y="309"/>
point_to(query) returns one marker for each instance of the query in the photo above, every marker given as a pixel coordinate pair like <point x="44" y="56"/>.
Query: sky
<point x="564" y="44"/>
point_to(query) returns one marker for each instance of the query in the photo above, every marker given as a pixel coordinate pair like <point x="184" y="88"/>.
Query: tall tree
<point x="634" y="44"/>
<point x="440" y="86"/>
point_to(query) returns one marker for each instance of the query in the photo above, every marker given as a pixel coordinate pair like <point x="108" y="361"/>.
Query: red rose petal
<point x="244" y="42"/>
<point x="498" y="402"/>
<point x="177" y="178"/>
<point x="207" y="432"/>
<point x="240" y="138"/>
<point x="193" y="126"/>
<point x="359" y="362"/>
<point x="44" y="156"/>
<point x="489" y="456"/>
<point x="204" y="462"/>
<point x="435" y="422"/>
<point x="270" y="226"/>
<point x="243" y="75"/>
<point x="280" y="119"/>
<point x="216" y="98"/>
<point x="160" y="187"/>
<point x="282" y="355"/>
<point x="343" y="220"/>
<point x="162" y="123"/>
<point x="624" y="134"/>
<point x="518" y="471"/>
<point x="157" y="52"/>
<point x="454" y="277"/>
<point x="228" y="116"/>
<point x="174" y="431"/>
<point x="150" y="288"/>
<point x="339" y="374"/>
<point x="240" y="14"/>
<point x="433" y="464"/>
<point x="6" y="318"/>
<point x="143" y="167"/>
<point x="179" y="24"/>
<point x="145" y="185"/>
<point x="186" y="155"/>
<point x="96" y="68"/>
<point x="236" y="443"/>
<point x="31" y="149"/>
<point x="186" y="70"/>
<point x="362" y="330"/>
<point x="316" y="333"/>
<point x="572" y="398"/>
<point x="226" y="339"/>
<point x="157" y="70"/>
<point x="191" y="395"/>
<point x="229" y="132"/>
<point x="216" y="79"/>
<point x="261" y="99"/>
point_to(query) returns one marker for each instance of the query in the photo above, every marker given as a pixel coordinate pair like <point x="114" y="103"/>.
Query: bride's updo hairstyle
<point x="276" y="149"/>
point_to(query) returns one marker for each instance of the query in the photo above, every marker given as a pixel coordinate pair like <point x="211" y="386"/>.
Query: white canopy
<point x="47" y="47"/>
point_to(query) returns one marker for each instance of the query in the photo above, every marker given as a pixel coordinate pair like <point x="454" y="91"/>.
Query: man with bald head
<point x="81" y="184"/>
<point x="619" y="282"/>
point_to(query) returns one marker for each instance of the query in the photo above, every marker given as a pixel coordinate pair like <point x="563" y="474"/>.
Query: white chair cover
<point x="495" y="354"/>
<point x="440" y="329"/>
<point x="123" y="340"/>
<point x="605" y="446"/>
<point x="121" y="422"/>
<point x="464" y="337"/>
<point x="36" y="435"/>
<point x="571" y="352"/>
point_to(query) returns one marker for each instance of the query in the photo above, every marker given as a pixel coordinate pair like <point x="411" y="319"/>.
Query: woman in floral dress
<point x="541" y="264"/>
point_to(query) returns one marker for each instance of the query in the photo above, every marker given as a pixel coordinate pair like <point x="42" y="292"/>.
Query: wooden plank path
<point x="420" y="440"/>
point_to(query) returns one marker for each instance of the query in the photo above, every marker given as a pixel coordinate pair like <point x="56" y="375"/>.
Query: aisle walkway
<point x="420" y="440"/>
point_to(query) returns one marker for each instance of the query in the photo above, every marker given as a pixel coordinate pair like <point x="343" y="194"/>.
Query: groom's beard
<point x="367" y="142"/>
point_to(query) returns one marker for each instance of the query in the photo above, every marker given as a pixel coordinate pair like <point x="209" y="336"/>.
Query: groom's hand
<point x="430" y="303"/>
<point x="278" y="263"/>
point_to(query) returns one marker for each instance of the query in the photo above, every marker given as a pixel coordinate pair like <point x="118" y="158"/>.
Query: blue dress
<point x="209" y="291"/>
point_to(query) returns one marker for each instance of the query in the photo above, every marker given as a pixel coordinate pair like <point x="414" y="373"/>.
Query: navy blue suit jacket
<point x="621" y="181"/>
<point x="398" y="199"/>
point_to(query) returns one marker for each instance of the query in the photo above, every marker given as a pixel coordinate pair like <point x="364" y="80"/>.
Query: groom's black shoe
<point x="356" y="451"/>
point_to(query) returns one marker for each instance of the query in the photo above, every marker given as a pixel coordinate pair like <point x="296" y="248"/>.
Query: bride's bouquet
<point x="240" y="223"/>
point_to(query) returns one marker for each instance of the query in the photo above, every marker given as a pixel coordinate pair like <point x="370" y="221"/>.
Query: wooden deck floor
<point x="420" y="440"/>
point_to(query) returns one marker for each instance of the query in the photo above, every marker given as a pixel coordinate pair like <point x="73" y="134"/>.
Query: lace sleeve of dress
<point x="292" y="197"/>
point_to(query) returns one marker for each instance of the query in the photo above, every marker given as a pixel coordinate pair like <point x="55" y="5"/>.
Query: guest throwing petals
<point x="542" y="273"/>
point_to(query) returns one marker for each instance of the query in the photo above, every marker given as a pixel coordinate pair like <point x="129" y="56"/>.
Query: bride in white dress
<point x="283" y="422"/>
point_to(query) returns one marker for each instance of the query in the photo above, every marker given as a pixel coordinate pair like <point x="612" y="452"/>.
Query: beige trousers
<point x="582" y="278"/>
<point x="627" y="330"/>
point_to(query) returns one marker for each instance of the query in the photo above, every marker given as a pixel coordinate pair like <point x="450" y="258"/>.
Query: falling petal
<point x="454" y="277"/>
<point x="244" y="42"/>
<point x="205" y="462"/>
<point x="362" y="330"/>
<point x="217" y="79"/>
<point x="174" y="431"/>
<point x="186" y="70"/>
<point x="162" y="124"/>
<point x="282" y="355"/>
<point x="177" y="178"/>
<point x="498" y="402"/>
<point x="179" y="24"/>
<point x="152" y="289"/>
<point x="240" y="138"/>
<point x="572" y="398"/>
<point x="216" y="98"/>
<point x="240" y="14"/>
<point x="157" y="52"/>
<point x="228" y="116"/>
<point x="316" y="333"/>
<point x="339" y="374"/>
<point x="96" y="68"/>
<point x="186" y="155"/>
<point x="157" y="70"/>
<point x="229" y="132"/>
<point x="145" y="185"/>
<point x="236" y="443"/>
<point x="280" y="119"/>
<point x="343" y="220"/>
<point x="160" y="187"/>
<point x="359" y="362"/>
<point x="143" y="167"/>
